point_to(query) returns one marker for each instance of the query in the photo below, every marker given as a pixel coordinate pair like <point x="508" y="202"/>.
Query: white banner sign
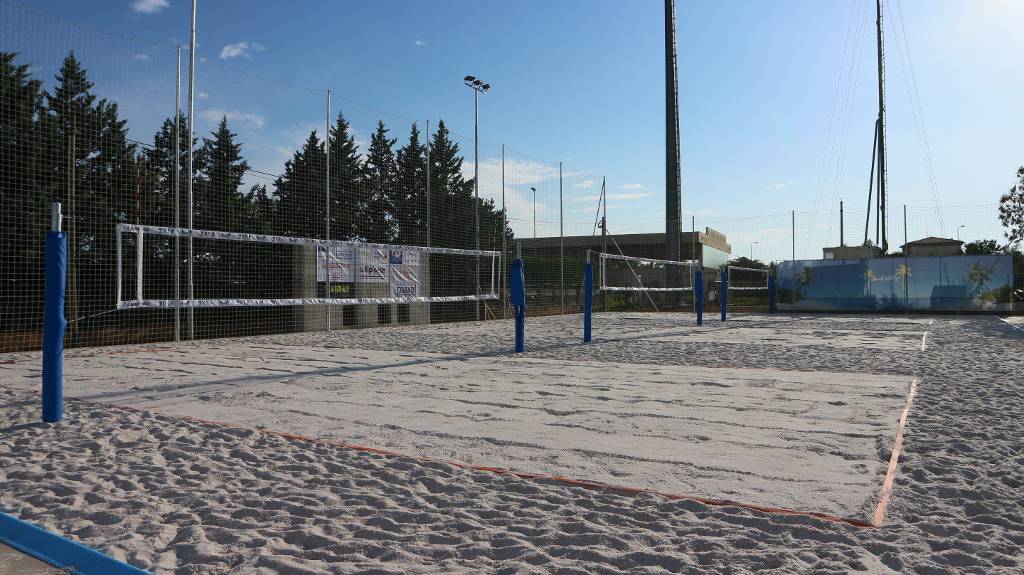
<point x="353" y="264"/>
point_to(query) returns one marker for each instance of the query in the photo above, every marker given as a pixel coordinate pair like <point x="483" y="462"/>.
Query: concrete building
<point x="850" y="252"/>
<point x="933" y="246"/>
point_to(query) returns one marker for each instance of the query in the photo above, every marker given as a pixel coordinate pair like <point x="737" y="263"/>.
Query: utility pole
<point x="673" y="185"/>
<point x="882" y="176"/>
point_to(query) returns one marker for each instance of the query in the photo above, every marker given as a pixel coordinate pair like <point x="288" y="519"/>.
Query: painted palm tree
<point x="977" y="276"/>
<point x="869" y="276"/>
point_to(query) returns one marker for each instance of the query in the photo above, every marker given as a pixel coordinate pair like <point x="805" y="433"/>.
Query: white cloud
<point x="241" y="119"/>
<point x="203" y="95"/>
<point x="634" y="187"/>
<point x="779" y="186"/>
<point x="240" y="50"/>
<point x="140" y="57"/>
<point x="418" y="43"/>
<point x="148" y="6"/>
<point x="586" y="184"/>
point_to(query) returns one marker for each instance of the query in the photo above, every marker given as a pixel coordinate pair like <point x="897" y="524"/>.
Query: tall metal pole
<point x="504" y="239"/>
<point x="428" y="185"/>
<point x="842" y="237"/>
<point x="906" y="286"/>
<point x="794" y="234"/>
<point x="673" y="185"/>
<point x="561" y="243"/>
<point x="476" y="191"/>
<point x="327" y="206"/>
<point x="604" y="236"/>
<point x="177" y="196"/>
<point x="191" y="167"/>
<point x="883" y="198"/>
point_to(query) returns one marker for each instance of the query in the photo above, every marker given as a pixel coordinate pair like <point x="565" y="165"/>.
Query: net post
<point x="138" y="264"/>
<point x="725" y="291"/>
<point x="119" y="275"/>
<point x="698" y="295"/>
<point x="54" y="323"/>
<point x="771" y="293"/>
<point x="588" y="298"/>
<point x="517" y="295"/>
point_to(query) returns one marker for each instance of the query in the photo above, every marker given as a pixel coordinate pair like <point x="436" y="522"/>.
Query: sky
<point x="777" y="98"/>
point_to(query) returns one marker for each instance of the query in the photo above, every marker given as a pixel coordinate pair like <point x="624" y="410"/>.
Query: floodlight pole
<point x="177" y="196"/>
<point x="479" y="87"/>
<point x="191" y="167"/>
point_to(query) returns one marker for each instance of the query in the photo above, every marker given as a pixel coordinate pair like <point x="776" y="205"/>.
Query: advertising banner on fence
<point x="953" y="283"/>
<point x="350" y="265"/>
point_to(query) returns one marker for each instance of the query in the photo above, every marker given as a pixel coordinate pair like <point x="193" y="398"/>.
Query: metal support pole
<point x="191" y="168"/>
<point x="504" y="235"/>
<point x="327" y="207"/>
<point x="476" y="192"/>
<point x="588" y="298"/>
<point x="698" y="295"/>
<point x="604" y="236"/>
<point x="906" y="264"/>
<point x="177" y="196"/>
<point x="694" y="257"/>
<point x="54" y="323"/>
<point x="771" y="293"/>
<point x="561" y="243"/>
<point x="842" y="220"/>
<point x="428" y="185"/>
<point x="725" y="292"/>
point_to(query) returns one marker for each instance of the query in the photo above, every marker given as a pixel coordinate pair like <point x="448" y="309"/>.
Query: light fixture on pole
<point x="534" y="211"/>
<point x="752" y="244"/>
<point x="958" y="233"/>
<point x="479" y="87"/>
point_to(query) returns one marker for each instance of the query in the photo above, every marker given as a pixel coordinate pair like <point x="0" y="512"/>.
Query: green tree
<point x="301" y="209"/>
<point x="982" y="248"/>
<point x="94" y="168"/>
<point x="346" y="171"/>
<point x="24" y="194"/>
<point x="1011" y="209"/>
<point x="410" y="201"/>
<point x="217" y="199"/>
<point x="379" y="190"/>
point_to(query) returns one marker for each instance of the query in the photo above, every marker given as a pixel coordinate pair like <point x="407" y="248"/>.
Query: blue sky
<point x="777" y="97"/>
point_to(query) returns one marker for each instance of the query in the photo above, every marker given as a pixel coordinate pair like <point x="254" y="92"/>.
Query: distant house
<point x="932" y="246"/>
<point x="850" y="252"/>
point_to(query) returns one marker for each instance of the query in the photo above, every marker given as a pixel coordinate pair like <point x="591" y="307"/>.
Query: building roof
<point x="933" y="241"/>
<point x="708" y="237"/>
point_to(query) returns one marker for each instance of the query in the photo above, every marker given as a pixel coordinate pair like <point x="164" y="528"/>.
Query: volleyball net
<point x="633" y="283"/>
<point x="748" y="289"/>
<point x="230" y="269"/>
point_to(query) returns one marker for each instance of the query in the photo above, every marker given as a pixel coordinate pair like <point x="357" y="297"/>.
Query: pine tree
<point x="300" y="192"/>
<point x="23" y="193"/>
<point x="410" y="206"/>
<point x="93" y="170"/>
<point x="346" y="171"/>
<point x="450" y="193"/>
<point x="217" y="197"/>
<point x="376" y="204"/>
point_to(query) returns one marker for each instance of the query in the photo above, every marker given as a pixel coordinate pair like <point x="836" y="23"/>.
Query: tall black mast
<point x="882" y="176"/>
<point x="673" y="186"/>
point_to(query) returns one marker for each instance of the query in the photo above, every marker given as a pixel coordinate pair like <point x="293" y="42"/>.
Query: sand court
<point x="800" y="440"/>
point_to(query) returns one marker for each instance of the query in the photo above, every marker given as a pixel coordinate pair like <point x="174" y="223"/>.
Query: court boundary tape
<point x="876" y="521"/>
<point x="890" y="474"/>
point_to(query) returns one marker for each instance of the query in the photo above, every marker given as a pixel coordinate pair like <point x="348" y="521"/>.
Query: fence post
<point x="561" y="245"/>
<point x="698" y="295"/>
<point x="588" y="298"/>
<point x="725" y="291"/>
<point x="54" y="323"/>
<point x="771" y="294"/>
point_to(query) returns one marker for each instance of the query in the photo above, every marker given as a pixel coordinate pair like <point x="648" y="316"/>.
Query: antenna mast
<point x="882" y="175"/>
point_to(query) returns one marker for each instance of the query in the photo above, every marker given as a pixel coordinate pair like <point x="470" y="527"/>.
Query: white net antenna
<point x="267" y="270"/>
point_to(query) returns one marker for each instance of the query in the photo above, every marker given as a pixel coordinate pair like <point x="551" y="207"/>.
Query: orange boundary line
<point x="890" y="475"/>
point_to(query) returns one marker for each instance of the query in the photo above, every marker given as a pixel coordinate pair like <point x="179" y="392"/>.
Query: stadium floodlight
<point x="479" y="87"/>
<point x="752" y="244"/>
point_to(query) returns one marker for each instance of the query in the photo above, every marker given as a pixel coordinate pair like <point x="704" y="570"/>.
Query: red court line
<point x="890" y="475"/>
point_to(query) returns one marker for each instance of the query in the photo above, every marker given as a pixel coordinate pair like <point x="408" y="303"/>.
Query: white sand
<point x="187" y="498"/>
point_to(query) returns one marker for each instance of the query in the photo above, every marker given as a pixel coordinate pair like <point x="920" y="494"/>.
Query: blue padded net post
<point x="588" y="298"/>
<point x="517" y="297"/>
<point x="698" y="295"/>
<point x="725" y="292"/>
<point x="771" y="294"/>
<point x="54" y="325"/>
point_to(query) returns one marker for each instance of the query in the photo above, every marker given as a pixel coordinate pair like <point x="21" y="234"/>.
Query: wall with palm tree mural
<point x="953" y="283"/>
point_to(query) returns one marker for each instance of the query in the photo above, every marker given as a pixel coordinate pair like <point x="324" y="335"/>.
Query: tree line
<point x="70" y="145"/>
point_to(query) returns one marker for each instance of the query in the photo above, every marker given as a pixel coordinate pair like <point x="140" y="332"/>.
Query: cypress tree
<point x="346" y="171"/>
<point x="300" y="191"/>
<point x="410" y="206"/>
<point x="376" y="203"/>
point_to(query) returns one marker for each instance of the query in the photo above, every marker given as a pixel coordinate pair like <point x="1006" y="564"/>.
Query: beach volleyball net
<point x="748" y="289"/>
<point x="234" y="270"/>
<point x="633" y="283"/>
